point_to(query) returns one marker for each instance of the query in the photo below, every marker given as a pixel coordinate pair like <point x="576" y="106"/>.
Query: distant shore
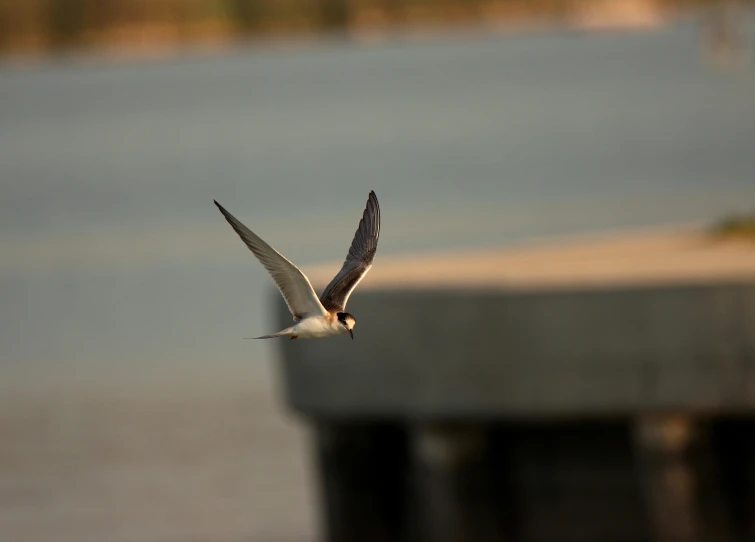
<point x="142" y="31"/>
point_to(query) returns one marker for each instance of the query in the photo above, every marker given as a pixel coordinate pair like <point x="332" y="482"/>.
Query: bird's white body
<point x="315" y="327"/>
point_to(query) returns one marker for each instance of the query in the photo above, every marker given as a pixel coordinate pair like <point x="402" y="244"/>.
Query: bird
<point x="326" y="316"/>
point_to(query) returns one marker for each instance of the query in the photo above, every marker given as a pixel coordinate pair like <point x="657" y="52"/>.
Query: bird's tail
<point x="284" y="333"/>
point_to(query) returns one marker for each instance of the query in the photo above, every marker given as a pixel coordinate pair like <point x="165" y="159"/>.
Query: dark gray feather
<point x="358" y="260"/>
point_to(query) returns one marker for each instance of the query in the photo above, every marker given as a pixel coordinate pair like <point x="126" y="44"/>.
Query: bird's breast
<point x="318" y="327"/>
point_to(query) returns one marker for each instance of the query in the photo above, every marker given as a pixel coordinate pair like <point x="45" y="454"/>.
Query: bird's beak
<point x="352" y="334"/>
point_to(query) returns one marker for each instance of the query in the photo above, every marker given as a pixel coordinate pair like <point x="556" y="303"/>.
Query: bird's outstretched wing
<point x="293" y="284"/>
<point x="358" y="260"/>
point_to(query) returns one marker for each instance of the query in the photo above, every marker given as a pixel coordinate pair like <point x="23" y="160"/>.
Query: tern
<point x="326" y="316"/>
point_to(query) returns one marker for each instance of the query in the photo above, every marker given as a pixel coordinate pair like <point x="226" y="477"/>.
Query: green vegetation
<point x="740" y="226"/>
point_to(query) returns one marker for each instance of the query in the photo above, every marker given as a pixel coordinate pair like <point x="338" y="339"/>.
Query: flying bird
<point x="324" y="317"/>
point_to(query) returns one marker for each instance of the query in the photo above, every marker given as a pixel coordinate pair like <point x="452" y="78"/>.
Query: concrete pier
<point x="591" y="409"/>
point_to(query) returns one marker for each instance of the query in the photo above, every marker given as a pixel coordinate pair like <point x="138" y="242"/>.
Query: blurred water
<point x="114" y="253"/>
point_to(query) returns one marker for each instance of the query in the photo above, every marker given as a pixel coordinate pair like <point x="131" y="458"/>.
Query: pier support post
<point x="453" y="493"/>
<point x="674" y="468"/>
<point x="362" y="481"/>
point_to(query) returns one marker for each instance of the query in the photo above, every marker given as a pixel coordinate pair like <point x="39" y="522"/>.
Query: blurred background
<point x="131" y="409"/>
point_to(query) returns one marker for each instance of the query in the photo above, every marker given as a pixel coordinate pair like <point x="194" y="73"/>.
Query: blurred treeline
<point x="52" y="24"/>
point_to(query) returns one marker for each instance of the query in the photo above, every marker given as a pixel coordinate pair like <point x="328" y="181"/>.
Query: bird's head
<point x="348" y="322"/>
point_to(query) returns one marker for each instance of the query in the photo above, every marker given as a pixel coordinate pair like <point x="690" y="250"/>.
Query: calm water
<point x="113" y="252"/>
<point x="119" y="275"/>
